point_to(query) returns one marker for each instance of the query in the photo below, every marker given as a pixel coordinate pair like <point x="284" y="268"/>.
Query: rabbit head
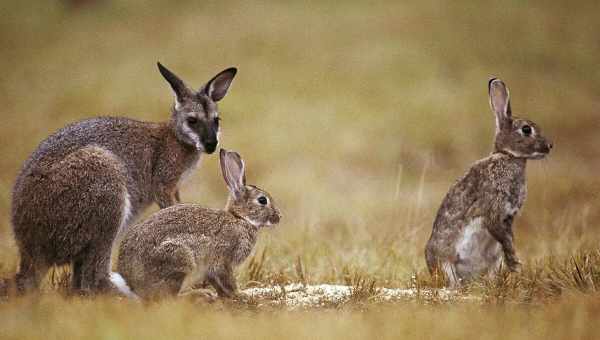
<point x="246" y="201"/>
<point x="195" y="114"/>
<point x="521" y="138"/>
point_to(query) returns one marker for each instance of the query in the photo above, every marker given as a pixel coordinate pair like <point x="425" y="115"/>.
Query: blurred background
<point x="357" y="118"/>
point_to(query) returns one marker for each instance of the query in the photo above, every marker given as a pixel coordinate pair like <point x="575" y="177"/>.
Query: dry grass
<point x="357" y="117"/>
<point x="53" y="317"/>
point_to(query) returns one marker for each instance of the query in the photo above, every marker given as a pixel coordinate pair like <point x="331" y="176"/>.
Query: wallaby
<point x="187" y="244"/>
<point x="89" y="180"/>
<point x="472" y="233"/>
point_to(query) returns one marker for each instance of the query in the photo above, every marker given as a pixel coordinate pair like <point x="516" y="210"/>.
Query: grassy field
<point x="357" y="117"/>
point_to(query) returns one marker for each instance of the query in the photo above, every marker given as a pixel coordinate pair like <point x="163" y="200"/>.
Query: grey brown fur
<point x="93" y="177"/>
<point x="187" y="244"/>
<point x="472" y="233"/>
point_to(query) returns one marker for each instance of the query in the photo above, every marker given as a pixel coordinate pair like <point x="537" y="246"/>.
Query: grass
<point x="49" y="316"/>
<point x="357" y="117"/>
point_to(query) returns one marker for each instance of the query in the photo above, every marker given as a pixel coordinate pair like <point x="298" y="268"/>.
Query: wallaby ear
<point x="499" y="101"/>
<point x="217" y="87"/>
<point x="233" y="169"/>
<point x="182" y="92"/>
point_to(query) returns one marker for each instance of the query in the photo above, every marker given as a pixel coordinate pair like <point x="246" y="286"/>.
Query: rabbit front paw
<point x="200" y="295"/>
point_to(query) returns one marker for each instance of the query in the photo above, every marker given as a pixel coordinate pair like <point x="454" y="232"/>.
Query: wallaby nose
<point x="210" y="146"/>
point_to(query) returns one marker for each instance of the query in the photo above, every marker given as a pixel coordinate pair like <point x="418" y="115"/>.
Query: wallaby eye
<point x="526" y="129"/>
<point x="192" y="120"/>
<point x="262" y="200"/>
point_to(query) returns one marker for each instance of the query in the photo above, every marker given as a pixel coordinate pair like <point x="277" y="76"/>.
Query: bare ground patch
<point x="298" y="295"/>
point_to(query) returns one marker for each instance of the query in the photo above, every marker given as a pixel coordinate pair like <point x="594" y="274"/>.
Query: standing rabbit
<point x="90" y="179"/>
<point x="187" y="244"/>
<point x="472" y="233"/>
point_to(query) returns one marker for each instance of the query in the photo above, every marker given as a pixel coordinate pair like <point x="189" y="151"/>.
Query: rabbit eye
<point x="192" y="120"/>
<point x="262" y="200"/>
<point x="526" y="130"/>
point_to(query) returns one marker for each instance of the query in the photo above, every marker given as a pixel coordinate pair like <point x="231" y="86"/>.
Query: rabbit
<point x="472" y="233"/>
<point x="89" y="180"/>
<point x="185" y="245"/>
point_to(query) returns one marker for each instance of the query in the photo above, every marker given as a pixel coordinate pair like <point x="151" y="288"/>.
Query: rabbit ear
<point x="217" y="87"/>
<point x="233" y="169"/>
<point x="181" y="90"/>
<point x="499" y="101"/>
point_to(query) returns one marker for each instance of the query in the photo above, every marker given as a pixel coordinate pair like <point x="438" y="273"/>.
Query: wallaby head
<point x="195" y="115"/>
<point x="519" y="137"/>
<point x="246" y="201"/>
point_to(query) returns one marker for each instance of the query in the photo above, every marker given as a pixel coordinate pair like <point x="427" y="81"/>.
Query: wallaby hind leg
<point x="66" y="211"/>
<point x="93" y="267"/>
<point x="94" y="271"/>
<point x="103" y="210"/>
<point x="76" y="275"/>
<point x="30" y="275"/>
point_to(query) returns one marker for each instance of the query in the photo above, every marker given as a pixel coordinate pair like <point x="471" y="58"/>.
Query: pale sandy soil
<point x="297" y="295"/>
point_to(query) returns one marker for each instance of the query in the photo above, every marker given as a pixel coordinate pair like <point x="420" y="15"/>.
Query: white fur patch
<point x="193" y="136"/>
<point x="510" y="209"/>
<point x="477" y="249"/>
<point x="515" y="153"/>
<point x="538" y="155"/>
<point x="125" y="216"/>
<point x="122" y="286"/>
<point x="535" y="155"/>
<point x="251" y="221"/>
<point x="465" y="245"/>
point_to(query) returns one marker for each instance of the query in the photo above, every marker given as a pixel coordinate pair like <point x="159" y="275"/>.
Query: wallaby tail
<point x="122" y="286"/>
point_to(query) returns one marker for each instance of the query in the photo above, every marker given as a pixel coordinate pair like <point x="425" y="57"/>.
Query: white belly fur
<point x="478" y="252"/>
